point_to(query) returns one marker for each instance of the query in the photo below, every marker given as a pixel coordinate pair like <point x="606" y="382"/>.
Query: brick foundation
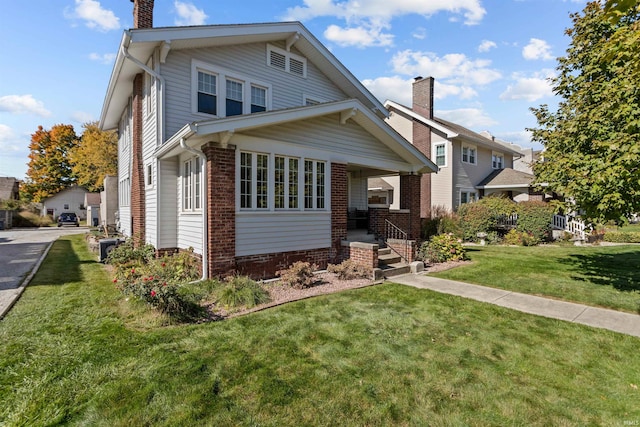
<point x="263" y="266"/>
<point x="365" y="254"/>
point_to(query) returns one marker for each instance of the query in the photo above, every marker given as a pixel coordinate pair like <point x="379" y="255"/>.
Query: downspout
<point x="205" y="209"/>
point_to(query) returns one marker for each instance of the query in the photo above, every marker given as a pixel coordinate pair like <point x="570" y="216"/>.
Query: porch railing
<point x="391" y="231"/>
<point x="571" y="225"/>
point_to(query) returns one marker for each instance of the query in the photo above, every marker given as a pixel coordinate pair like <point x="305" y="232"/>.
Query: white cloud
<point x="105" y="58"/>
<point x="530" y="88"/>
<point x="385" y="10"/>
<point x="486" y="46"/>
<point x="472" y="118"/>
<point x="82" y="117"/>
<point x="23" y="104"/>
<point x="455" y="67"/>
<point x="537" y="49"/>
<point x="358" y="36"/>
<point x="419" y="33"/>
<point x="7" y="140"/>
<point x="188" y="14"/>
<point x="95" y="16"/>
<point x="399" y="90"/>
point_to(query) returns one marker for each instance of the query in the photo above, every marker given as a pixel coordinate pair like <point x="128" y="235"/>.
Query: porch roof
<point x="506" y="178"/>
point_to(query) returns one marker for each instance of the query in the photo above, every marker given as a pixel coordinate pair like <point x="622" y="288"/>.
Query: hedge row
<point x="622" y="236"/>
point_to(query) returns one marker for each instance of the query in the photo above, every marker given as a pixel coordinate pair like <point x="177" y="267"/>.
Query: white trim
<point x="497" y="154"/>
<point x="468" y="191"/>
<point x="288" y="56"/>
<point x="434" y="154"/>
<point x="148" y="175"/>
<point x="475" y="154"/>
<point x="315" y="100"/>
<point x="222" y="75"/>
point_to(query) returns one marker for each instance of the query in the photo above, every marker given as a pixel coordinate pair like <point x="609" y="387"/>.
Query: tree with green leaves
<point x="592" y="142"/>
<point x="94" y="157"/>
<point x="50" y="169"/>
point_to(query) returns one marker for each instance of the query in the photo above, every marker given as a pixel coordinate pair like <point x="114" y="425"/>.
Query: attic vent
<point x="296" y="67"/>
<point x="287" y="61"/>
<point x="277" y="60"/>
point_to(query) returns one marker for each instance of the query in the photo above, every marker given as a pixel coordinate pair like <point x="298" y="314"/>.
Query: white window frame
<point x="222" y="75"/>
<point x="308" y="100"/>
<point x="468" y="192"/>
<point x="320" y="178"/>
<point x="288" y="57"/>
<point x="434" y="154"/>
<point x="191" y="185"/>
<point x="148" y="90"/>
<point x="124" y="191"/>
<point x="495" y="164"/>
<point x="148" y="175"/>
<point x="469" y="147"/>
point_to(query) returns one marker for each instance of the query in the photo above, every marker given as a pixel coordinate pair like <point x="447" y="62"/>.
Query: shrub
<point x="520" y="238"/>
<point x="622" y="236"/>
<point x="126" y="254"/>
<point x="442" y="221"/>
<point x="349" y="269"/>
<point x="534" y="217"/>
<point x="299" y="275"/>
<point x="442" y="248"/>
<point x="26" y="218"/>
<point x="241" y="291"/>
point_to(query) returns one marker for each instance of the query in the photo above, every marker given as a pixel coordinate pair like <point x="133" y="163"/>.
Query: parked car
<point x="68" y="218"/>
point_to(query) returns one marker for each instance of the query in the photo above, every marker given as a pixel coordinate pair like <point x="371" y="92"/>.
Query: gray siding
<point x="248" y="61"/>
<point x="442" y="182"/>
<point x="168" y="203"/>
<point x="258" y="233"/>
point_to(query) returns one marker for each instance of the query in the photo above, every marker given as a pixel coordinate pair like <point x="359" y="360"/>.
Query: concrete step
<point x="397" y="269"/>
<point x="384" y="251"/>
<point x="390" y="258"/>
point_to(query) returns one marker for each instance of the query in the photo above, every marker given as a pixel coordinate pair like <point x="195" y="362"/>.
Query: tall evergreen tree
<point x="592" y="142"/>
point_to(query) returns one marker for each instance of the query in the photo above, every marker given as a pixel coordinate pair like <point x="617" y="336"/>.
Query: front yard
<point x="74" y="352"/>
<point x="604" y="276"/>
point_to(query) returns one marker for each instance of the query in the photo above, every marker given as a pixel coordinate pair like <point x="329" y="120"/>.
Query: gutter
<point x="205" y="216"/>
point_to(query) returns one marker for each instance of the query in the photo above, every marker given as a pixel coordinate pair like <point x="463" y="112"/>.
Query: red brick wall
<point x="361" y="253"/>
<point x="137" y="171"/>
<point x="221" y="199"/>
<point x="402" y="246"/>
<point x="143" y="14"/>
<point x="410" y="199"/>
<point x="264" y="266"/>
<point x="423" y="105"/>
<point x="339" y="207"/>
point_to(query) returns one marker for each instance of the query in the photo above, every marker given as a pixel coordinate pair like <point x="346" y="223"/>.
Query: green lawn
<point x="74" y="353"/>
<point x="605" y="276"/>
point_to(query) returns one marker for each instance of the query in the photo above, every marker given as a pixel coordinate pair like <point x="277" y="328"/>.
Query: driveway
<point x="20" y="252"/>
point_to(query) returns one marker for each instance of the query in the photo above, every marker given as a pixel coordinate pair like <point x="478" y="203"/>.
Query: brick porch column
<point x="339" y="206"/>
<point x="410" y="199"/>
<point x="138" y="209"/>
<point x="221" y="205"/>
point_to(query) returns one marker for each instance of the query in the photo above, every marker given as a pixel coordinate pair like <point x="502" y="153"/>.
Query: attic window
<point x="287" y="61"/>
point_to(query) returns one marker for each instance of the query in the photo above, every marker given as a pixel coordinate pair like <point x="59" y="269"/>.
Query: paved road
<point x="20" y="251"/>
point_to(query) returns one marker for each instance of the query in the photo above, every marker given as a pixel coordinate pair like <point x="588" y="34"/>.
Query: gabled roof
<point x="140" y="44"/>
<point x="8" y="188"/>
<point x="452" y="130"/>
<point x="199" y="132"/>
<point x="378" y="184"/>
<point x="506" y="178"/>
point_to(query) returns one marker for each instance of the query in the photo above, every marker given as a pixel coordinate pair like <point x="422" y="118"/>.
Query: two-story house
<point x="243" y="142"/>
<point x="470" y="165"/>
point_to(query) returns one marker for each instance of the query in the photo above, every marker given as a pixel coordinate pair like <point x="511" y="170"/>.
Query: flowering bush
<point x="442" y="248"/>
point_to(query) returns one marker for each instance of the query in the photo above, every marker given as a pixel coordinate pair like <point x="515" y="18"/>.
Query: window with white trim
<point x="469" y="154"/>
<point x="191" y="185"/>
<point x="468" y="196"/>
<point x="124" y="192"/>
<point x="291" y="182"/>
<point x="440" y="154"/>
<point x="286" y="61"/>
<point x="497" y="160"/>
<point x="223" y="93"/>
<point x="148" y="176"/>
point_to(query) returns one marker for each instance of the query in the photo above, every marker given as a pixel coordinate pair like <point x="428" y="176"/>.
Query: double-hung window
<point x="234" y="98"/>
<point x="497" y="161"/>
<point x="440" y="154"/>
<point x="258" y="99"/>
<point x="207" y="93"/>
<point x="191" y="186"/>
<point x="278" y="182"/>
<point x="468" y="196"/>
<point x="469" y="154"/>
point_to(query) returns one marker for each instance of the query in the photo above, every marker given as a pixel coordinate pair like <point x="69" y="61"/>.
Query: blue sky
<point x="490" y="58"/>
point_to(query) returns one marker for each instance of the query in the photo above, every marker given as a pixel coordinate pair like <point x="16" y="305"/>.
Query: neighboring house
<point x="9" y="188"/>
<point x="92" y="203"/>
<point x="470" y="165"/>
<point x="248" y="143"/>
<point x="70" y="199"/>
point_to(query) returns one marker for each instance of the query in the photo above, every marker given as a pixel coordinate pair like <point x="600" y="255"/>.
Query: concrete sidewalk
<point x="597" y="317"/>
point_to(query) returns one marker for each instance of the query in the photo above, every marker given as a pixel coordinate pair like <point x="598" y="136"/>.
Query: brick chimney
<point x="422" y="104"/>
<point x="142" y="13"/>
<point x="142" y="18"/>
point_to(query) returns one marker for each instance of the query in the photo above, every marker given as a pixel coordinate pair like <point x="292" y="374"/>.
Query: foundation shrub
<point x="299" y="275"/>
<point x="241" y="291"/>
<point x="442" y="248"/>
<point x="622" y="237"/>
<point x="520" y="238"/>
<point x="349" y="269"/>
<point x="534" y="218"/>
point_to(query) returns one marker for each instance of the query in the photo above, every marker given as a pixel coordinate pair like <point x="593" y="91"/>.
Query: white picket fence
<point x="571" y="225"/>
